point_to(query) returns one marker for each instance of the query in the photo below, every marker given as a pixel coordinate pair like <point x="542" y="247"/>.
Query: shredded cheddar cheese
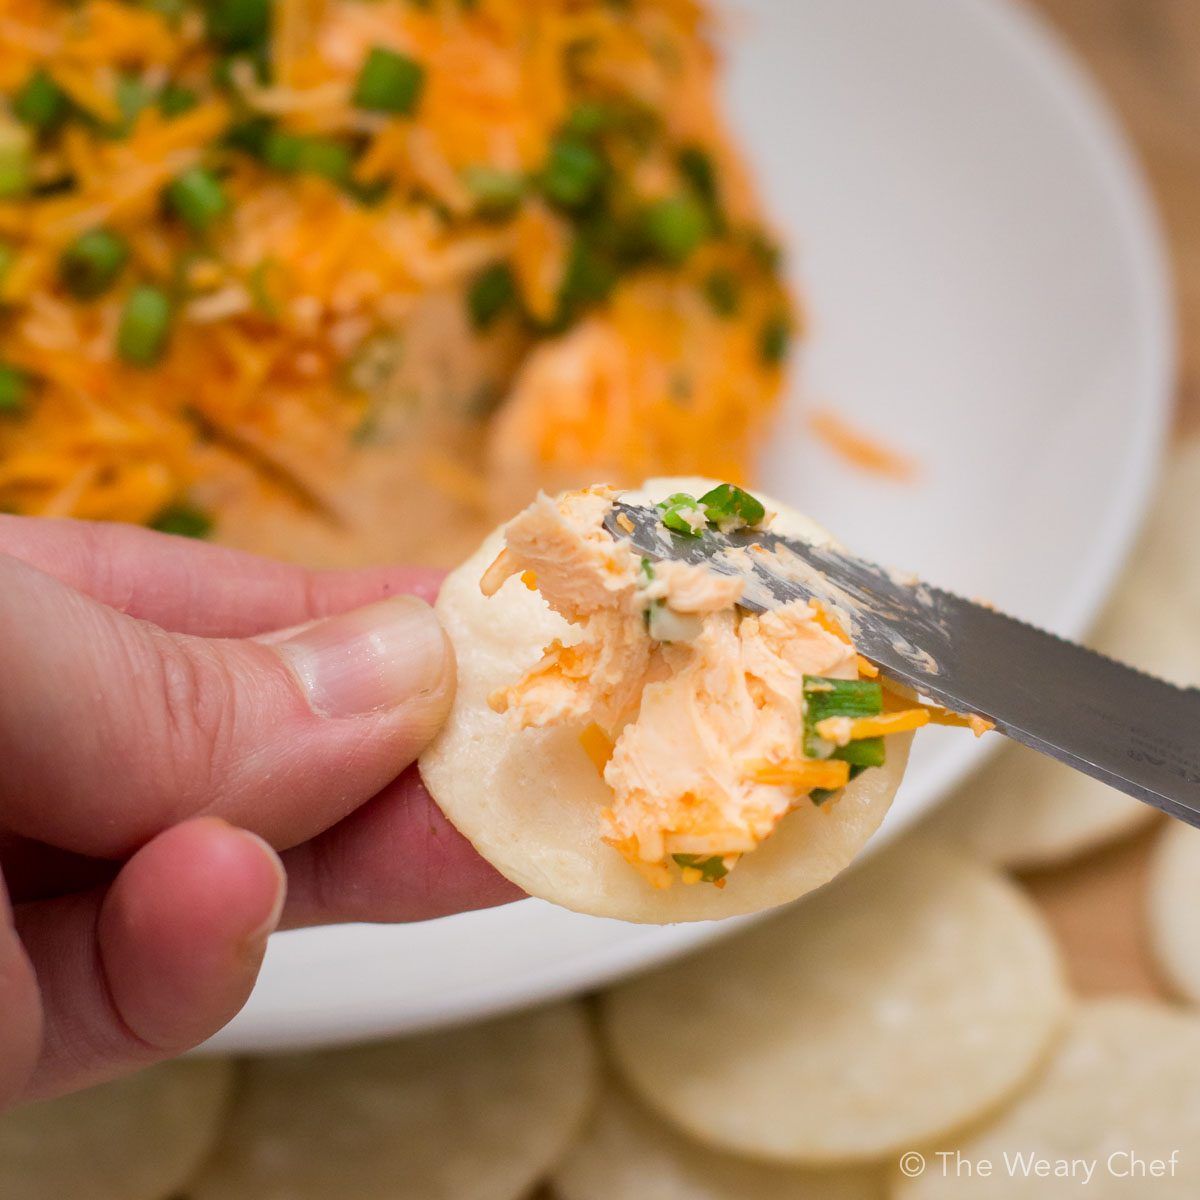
<point x="539" y="254"/>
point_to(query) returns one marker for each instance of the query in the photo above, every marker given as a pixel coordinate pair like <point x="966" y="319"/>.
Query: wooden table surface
<point x="1145" y="55"/>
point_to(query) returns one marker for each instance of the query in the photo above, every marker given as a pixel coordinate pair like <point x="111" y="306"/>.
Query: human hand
<point x="160" y="741"/>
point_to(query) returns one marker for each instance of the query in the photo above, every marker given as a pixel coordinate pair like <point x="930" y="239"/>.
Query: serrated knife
<point x="1132" y="731"/>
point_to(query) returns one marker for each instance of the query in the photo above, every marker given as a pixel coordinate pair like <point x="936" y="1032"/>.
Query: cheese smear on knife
<point x="693" y="708"/>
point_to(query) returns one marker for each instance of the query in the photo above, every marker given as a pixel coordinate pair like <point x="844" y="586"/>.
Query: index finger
<point x="187" y="586"/>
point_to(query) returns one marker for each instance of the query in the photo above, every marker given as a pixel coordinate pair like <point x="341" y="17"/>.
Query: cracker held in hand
<point x="629" y="742"/>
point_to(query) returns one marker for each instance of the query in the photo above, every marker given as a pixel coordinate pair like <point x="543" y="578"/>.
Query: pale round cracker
<point x="138" y="1138"/>
<point x="479" y="1113"/>
<point x="628" y="1153"/>
<point x="1024" y="810"/>
<point x="530" y="800"/>
<point x="1125" y="1081"/>
<point x="910" y="997"/>
<point x="1173" y="908"/>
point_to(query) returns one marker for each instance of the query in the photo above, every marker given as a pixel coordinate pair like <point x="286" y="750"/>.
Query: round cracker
<point x="1173" y="905"/>
<point x="479" y="1113"/>
<point x="1024" y="810"/>
<point x="137" y="1138"/>
<point x="530" y="800"/>
<point x="1124" y="1087"/>
<point x="910" y="997"/>
<point x="627" y="1153"/>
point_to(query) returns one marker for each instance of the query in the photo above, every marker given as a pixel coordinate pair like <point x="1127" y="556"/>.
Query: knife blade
<point x="1126" y="728"/>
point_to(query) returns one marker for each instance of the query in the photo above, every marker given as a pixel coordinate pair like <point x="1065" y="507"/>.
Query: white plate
<point x="986" y="288"/>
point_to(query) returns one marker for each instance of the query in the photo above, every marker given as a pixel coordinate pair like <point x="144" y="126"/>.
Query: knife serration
<point x="1126" y="728"/>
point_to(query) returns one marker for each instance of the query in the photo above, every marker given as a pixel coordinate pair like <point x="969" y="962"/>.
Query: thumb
<point x="112" y="729"/>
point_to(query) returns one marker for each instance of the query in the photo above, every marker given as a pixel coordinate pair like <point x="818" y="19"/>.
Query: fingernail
<point x="370" y="660"/>
<point x="261" y="932"/>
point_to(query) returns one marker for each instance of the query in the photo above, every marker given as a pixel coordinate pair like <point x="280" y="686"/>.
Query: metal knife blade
<point x="1128" y="729"/>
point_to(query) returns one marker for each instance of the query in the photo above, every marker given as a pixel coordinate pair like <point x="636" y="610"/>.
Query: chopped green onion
<point x="183" y="520"/>
<point x="132" y="96"/>
<point x="89" y="266"/>
<point x="198" y="197"/>
<point x="774" y="339"/>
<point x="172" y="10"/>
<point x="862" y="752"/>
<point x="696" y="166"/>
<point x="14" y="390"/>
<point x="721" y="292"/>
<point x="588" y="279"/>
<point x="16" y="159"/>
<point x="41" y="103"/>
<point x="682" y="513"/>
<point x="590" y="118"/>
<point x="729" y="507"/>
<point x="711" y="869"/>
<point x="491" y="293"/>
<point x="175" y="99"/>
<point x="573" y="172"/>
<point x="239" y="24"/>
<point x="675" y="226"/>
<point x="647" y="571"/>
<point x="291" y="152"/>
<point x="145" y="326"/>
<point x="496" y="192"/>
<point x="825" y="698"/>
<point x="389" y="82"/>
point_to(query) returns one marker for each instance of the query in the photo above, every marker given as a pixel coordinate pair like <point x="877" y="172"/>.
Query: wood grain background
<point x="1146" y="56"/>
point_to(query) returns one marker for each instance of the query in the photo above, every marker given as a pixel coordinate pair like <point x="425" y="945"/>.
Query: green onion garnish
<point x="132" y="96"/>
<point x="682" y="513"/>
<point x="573" y="172"/>
<point x="89" y="266"/>
<point x="491" y="293"/>
<point x="238" y="24"/>
<point x="496" y="192"/>
<point x="729" y="507"/>
<point x="198" y="196"/>
<point x="183" y="520"/>
<point x="389" y="82"/>
<point x="711" y="869"/>
<point x="824" y="698"/>
<point x="41" y="103"/>
<point x="590" y="118"/>
<point x="696" y="166"/>
<point x="15" y="387"/>
<point x="145" y="326"/>
<point x="774" y="339"/>
<point x="16" y="159"/>
<point x="293" y="152"/>
<point x="175" y="99"/>
<point x="590" y="276"/>
<point x="722" y="293"/>
<point x="675" y="226"/>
